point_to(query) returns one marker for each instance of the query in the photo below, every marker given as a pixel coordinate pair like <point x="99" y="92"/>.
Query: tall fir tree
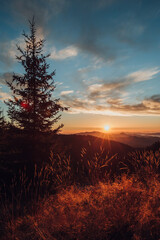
<point x="32" y="107"/>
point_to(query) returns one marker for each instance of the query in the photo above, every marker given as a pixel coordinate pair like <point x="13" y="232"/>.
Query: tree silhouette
<point x="2" y="121"/>
<point x="31" y="107"/>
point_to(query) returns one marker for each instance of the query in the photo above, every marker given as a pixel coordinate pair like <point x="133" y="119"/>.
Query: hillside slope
<point x="74" y="144"/>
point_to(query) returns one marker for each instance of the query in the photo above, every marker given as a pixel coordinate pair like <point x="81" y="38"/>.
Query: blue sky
<point x="106" y="54"/>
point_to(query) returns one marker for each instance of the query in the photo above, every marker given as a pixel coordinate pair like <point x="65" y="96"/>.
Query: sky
<point x="106" y="54"/>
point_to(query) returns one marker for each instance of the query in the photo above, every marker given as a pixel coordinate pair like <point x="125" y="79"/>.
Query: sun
<point x="106" y="128"/>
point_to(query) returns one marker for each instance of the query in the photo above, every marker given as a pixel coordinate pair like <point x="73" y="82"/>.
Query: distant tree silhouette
<point x="2" y="121"/>
<point x="31" y="107"/>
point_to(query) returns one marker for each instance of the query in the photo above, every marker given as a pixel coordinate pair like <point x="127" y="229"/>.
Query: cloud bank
<point x="108" y="98"/>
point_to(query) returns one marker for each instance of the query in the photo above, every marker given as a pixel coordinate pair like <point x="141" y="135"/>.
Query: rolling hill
<point x="74" y="144"/>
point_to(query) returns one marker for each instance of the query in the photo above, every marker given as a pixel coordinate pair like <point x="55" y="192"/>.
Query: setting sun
<point x="106" y="128"/>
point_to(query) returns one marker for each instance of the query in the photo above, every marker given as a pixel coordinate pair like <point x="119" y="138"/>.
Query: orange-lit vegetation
<point x="87" y="200"/>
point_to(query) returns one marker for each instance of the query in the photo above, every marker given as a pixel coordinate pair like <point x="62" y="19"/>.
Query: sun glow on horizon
<point x="107" y="128"/>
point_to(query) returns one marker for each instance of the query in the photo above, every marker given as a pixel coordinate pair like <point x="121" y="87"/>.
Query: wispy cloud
<point x="4" y="96"/>
<point x="66" y="92"/>
<point x="148" y="106"/>
<point x="144" y="75"/>
<point x="96" y="63"/>
<point x="118" y="86"/>
<point x="68" y="52"/>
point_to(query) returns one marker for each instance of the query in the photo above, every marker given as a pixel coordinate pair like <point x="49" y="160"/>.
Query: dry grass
<point x="125" y="209"/>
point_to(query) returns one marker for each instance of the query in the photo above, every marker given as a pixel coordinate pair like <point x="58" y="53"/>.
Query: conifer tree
<point x="32" y="107"/>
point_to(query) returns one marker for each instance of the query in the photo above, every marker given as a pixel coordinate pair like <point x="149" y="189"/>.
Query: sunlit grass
<point x="93" y="198"/>
<point x="124" y="209"/>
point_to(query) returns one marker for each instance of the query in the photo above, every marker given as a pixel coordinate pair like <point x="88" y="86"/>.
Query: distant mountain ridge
<point x="137" y="140"/>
